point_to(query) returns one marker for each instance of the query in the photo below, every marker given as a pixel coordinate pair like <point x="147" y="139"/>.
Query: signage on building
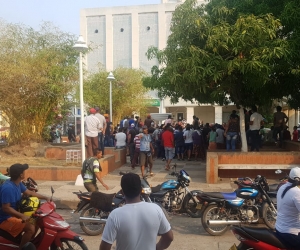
<point x="153" y="102"/>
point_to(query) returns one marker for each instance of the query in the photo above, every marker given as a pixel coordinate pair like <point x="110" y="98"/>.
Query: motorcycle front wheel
<point x="68" y="244"/>
<point x="268" y="216"/>
<point x="213" y="212"/>
<point x="92" y="228"/>
<point x="191" y="207"/>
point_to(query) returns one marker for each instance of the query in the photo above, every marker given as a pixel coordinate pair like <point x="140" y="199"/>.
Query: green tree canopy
<point x="216" y="55"/>
<point x="37" y="70"/>
<point x="128" y="92"/>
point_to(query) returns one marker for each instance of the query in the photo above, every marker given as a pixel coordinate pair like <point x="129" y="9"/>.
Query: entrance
<point x="179" y="116"/>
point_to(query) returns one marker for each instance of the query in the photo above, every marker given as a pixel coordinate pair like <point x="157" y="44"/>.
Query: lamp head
<point x="80" y="45"/>
<point x="111" y="77"/>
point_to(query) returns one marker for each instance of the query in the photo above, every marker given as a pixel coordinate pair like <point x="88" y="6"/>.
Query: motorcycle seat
<point x="156" y="188"/>
<point x="264" y="235"/>
<point x="9" y="237"/>
<point x="227" y="196"/>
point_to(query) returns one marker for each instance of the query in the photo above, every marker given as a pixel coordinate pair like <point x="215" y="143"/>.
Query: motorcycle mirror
<point x="52" y="190"/>
<point x="278" y="171"/>
<point x="29" y="246"/>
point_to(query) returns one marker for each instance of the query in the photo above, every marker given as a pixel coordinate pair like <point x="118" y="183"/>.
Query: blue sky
<point x="62" y="13"/>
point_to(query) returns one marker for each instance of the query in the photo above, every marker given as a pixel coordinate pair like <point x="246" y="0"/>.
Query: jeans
<point x="231" y="140"/>
<point x="131" y="151"/>
<point x="256" y="141"/>
<point x="101" y="142"/>
<point x="277" y="131"/>
<point x="291" y="241"/>
<point x="108" y="141"/>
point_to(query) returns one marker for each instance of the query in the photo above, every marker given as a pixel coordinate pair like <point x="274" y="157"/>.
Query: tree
<point x="128" y="92"/>
<point x="216" y="55"/>
<point x="37" y="70"/>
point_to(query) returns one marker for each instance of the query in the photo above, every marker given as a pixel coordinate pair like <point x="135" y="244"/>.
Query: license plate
<point x="199" y="206"/>
<point x="233" y="247"/>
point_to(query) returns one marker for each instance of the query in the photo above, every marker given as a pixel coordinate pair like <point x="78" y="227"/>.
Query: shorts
<point x="90" y="187"/>
<point x="169" y="153"/>
<point x="143" y="156"/>
<point x="188" y="146"/>
<point x="13" y="226"/>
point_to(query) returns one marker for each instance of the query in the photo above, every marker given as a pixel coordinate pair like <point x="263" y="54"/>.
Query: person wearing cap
<point x="135" y="226"/>
<point x="102" y="128"/>
<point x="146" y="150"/>
<point x="11" y="192"/>
<point x="90" y="173"/>
<point x="288" y="211"/>
<point x="91" y="129"/>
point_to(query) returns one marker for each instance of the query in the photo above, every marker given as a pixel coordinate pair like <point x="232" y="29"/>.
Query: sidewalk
<point x="64" y="197"/>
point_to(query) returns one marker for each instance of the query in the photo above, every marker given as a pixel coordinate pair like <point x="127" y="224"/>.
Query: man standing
<point x="169" y="145"/>
<point x="11" y="192"/>
<point x="131" y="133"/>
<point x="280" y="120"/>
<point x="102" y="129"/>
<point x="135" y="226"/>
<point x="256" y="120"/>
<point x="91" y="127"/>
<point x="90" y="171"/>
<point x="146" y="150"/>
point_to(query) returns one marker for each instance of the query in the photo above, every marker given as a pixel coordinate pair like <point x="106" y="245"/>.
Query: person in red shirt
<point x="295" y="134"/>
<point x="167" y="138"/>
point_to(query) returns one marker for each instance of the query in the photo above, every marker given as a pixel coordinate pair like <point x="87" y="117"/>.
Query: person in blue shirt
<point x="11" y="192"/>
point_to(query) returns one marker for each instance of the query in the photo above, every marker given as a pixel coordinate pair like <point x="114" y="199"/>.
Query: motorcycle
<point x="94" y="213"/>
<point x="54" y="232"/>
<point x="256" y="238"/>
<point x="174" y="195"/>
<point x="245" y="205"/>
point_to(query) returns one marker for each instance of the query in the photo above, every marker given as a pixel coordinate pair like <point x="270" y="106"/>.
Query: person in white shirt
<point x="120" y="138"/>
<point x="288" y="211"/>
<point x="91" y="129"/>
<point x="256" y="120"/>
<point x="101" y="131"/>
<point x="135" y="226"/>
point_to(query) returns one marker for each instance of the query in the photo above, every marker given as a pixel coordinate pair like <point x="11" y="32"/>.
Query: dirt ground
<point x="30" y="153"/>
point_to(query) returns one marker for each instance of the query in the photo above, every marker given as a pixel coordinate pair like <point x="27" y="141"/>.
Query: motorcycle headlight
<point x="63" y="223"/>
<point x="146" y="190"/>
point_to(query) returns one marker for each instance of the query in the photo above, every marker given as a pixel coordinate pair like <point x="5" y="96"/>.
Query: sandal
<point x="167" y="168"/>
<point x="151" y="174"/>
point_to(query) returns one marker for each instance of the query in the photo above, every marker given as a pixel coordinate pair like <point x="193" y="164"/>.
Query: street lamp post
<point x="81" y="46"/>
<point x="110" y="78"/>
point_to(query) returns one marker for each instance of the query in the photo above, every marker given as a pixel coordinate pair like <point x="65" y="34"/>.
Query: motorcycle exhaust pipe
<point x="89" y="219"/>
<point x="223" y="222"/>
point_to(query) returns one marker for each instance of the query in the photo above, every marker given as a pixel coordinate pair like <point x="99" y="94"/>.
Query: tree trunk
<point x="243" y="132"/>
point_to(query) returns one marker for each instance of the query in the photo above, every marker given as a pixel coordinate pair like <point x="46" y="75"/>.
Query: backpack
<point x="88" y="165"/>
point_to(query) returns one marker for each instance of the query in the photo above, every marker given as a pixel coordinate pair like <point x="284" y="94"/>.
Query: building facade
<point x="121" y="36"/>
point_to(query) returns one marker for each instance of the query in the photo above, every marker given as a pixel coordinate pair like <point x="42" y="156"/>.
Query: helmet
<point x="185" y="176"/>
<point x="28" y="205"/>
<point x="295" y="173"/>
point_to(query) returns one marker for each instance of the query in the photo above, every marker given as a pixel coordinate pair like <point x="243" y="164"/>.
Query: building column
<point x="218" y="114"/>
<point x="135" y="39"/>
<point x="109" y="42"/>
<point x="162" y="109"/>
<point x="189" y="114"/>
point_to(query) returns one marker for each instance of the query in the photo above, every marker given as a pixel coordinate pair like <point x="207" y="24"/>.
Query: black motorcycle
<point x="175" y="196"/>
<point x="95" y="207"/>
<point x="247" y="205"/>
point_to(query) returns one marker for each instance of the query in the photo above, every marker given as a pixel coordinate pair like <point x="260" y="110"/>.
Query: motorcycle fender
<point x="48" y="238"/>
<point x="80" y="205"/>
<point x="66" y="234"/>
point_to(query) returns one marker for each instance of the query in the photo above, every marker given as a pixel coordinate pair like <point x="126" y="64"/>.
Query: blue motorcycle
<point x="173" y="194"/>
<point x="248" y="204"/>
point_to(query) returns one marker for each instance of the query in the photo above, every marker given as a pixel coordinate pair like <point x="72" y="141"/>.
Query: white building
<point x="121" y="36"/>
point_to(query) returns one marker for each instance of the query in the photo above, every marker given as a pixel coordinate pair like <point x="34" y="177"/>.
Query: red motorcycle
<point x="256" y="238"/>
<point x="54" y="233"/>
